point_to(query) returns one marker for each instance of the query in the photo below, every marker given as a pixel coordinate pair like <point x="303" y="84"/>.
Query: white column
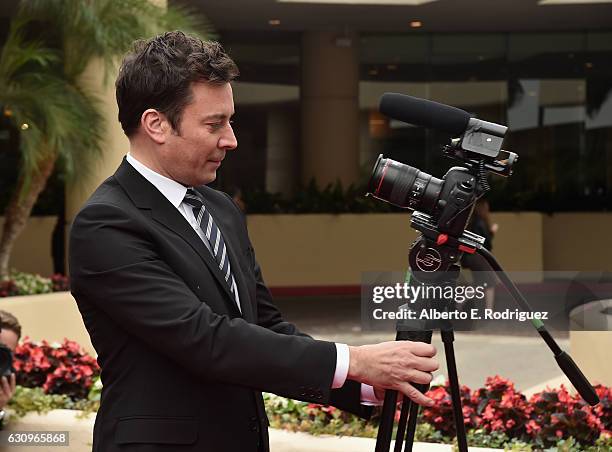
<point x="330" y="107"/>
<point x="282" y="151"/>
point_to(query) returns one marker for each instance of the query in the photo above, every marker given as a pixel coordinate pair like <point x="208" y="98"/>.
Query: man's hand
<point x="380" y="395"/>
<point x="7" y="389"/>
<point x="392" y="365"/>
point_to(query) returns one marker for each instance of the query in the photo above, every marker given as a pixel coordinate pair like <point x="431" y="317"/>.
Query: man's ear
<point x="155" y="125"/>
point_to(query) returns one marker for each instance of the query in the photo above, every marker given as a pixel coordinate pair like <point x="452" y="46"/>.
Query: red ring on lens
<point x="382" y="177"/>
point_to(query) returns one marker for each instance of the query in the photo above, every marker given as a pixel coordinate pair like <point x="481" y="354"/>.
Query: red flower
<point x="63" y="369"/>
<point x="533" y="427"/>
<point x="440" y="415"/>
<point x="398" y="413"/>
<point x="497" y="425"/>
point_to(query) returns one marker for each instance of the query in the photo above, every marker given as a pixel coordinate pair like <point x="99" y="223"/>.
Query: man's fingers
<point x="416" y="376"/>
<point x="379" y="393"/>
<point x="423" y="349"/>
<point x="415" y="395"/>
<point x="426" y="364"/>
<point x="13" y="382"/>
<point x="5" y="386"/>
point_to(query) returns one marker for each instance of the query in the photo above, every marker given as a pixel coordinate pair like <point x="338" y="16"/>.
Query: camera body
<point x="6" y="360"/>
<point x="448" y="200"/>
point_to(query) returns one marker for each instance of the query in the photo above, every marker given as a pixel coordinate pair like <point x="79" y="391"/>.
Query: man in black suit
<point x="166" y="280"/>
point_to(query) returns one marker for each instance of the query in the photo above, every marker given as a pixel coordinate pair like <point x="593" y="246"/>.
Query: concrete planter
<point x="80" y="428"/>
<point x="280" y="441"/>
<point x="322" y="250"/>
<point x="52" y="316"/>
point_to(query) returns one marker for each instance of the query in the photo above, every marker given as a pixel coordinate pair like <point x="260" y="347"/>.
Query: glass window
<point x="267" y="111"/>
<point x="553" y="90"/>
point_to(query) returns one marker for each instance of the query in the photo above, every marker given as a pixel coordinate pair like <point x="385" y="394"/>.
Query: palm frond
<point x="41" y="84"/>
<point x="19" y="54"/>
<point x="107" y="28"/>
<point x="66" y="124"/>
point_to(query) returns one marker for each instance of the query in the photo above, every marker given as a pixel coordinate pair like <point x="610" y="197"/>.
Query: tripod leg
<point x="387" y="417"/>
<point x="401" y="425"/>
<point x="448" y="337"/>
<point x="412" y="420"/>
<point x="423" y="336"/>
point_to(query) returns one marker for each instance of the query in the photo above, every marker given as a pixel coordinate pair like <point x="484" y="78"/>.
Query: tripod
<point x="434" y="260"/>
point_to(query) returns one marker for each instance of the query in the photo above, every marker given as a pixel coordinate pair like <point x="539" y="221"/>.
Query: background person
<point x="480" y="223"/>
<point x="10" y="333"/>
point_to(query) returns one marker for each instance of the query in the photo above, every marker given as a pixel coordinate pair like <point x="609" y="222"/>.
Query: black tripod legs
<point x="412" y="421"/>
<point x="448" y="338"/>
<point x="387" y="417"/>
<point x="409" y="411"/>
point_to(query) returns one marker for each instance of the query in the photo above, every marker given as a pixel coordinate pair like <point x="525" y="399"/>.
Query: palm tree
<point x="49" y="45"/>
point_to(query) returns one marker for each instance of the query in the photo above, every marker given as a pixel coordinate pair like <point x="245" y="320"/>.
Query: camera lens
<point x="404" y="186"/>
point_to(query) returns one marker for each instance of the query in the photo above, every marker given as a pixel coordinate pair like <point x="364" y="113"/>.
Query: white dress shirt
<point x="175" y="192"/>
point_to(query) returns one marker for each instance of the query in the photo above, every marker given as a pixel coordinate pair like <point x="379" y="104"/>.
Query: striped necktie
<point x="212" y="233"/>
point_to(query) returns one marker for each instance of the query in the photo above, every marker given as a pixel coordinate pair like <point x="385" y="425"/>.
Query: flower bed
<point x="20" y="283"/>
<point x="56" y="376"/>
<point x="59" y="369"/>
<point x="542" y="420"/>
<point x="496" y="415"/>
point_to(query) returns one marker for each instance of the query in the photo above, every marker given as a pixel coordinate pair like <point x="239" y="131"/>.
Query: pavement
<point x="283" y="441"/>
<point x="80" y="428"/>
<point x="507" y="349"/>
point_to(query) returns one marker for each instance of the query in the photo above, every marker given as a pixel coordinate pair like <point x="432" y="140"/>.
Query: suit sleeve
<point x="348" y="397"/>
<point x="114" y="266"/>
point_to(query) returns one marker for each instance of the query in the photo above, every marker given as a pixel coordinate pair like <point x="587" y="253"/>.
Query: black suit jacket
<point x="182" y="368"/>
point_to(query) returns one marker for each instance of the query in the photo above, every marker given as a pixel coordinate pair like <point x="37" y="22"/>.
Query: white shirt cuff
<point x="368" y="397"/>
<point x="342" y="365"/>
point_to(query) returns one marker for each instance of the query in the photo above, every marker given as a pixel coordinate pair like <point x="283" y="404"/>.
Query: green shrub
<point x="26" y="400"/>
<point x="312" y="199"/>
<point x="21" y="283"/>
<point x="31" y="284"/>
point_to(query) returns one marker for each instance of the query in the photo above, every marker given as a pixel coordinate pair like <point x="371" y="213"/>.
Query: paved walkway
<point x="283" y="441"/>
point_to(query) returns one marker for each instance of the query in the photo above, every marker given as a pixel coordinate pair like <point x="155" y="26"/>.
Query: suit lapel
<point x="146" y="196"/>
<point x="169" y="216"/>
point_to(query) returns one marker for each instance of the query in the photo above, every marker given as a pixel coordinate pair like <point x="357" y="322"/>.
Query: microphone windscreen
<point x="422" y="112"/>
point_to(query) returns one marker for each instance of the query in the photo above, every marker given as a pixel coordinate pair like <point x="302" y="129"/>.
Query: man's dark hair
<point x="9" y="322"/>
<point x="158" y="74"/>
